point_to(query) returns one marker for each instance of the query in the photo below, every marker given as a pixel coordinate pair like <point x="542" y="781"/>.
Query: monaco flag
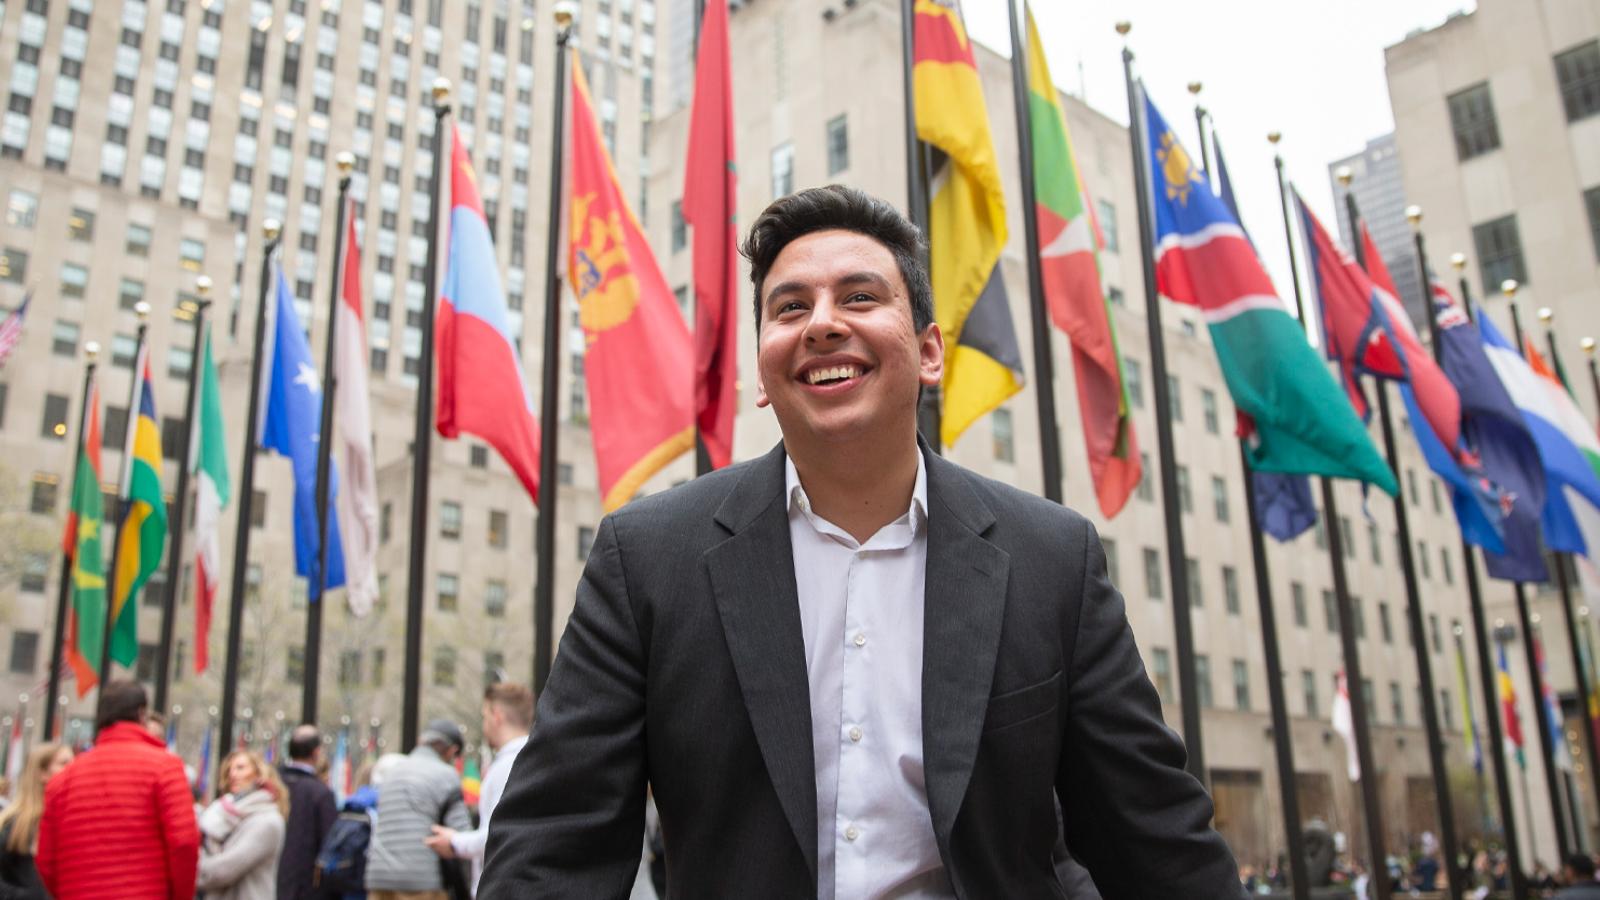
<point x="358" y="498"/>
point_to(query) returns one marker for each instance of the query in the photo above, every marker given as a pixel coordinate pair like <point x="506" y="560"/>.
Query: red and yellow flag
<point x="638" y="359"/>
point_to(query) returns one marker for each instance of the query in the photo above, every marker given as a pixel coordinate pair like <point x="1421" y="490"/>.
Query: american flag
<point x="11" y="328"/>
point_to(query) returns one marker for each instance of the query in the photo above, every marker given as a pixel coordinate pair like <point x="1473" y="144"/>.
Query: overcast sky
<point x="1314" y="71"/>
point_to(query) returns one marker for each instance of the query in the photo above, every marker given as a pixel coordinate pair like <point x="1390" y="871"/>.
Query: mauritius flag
<point x="1069" y="242"/>
<point x="86" y="617"/>
<point x="143" y="531"/>
<point x="481" y="388"/>
<point x="1298" y="419"/>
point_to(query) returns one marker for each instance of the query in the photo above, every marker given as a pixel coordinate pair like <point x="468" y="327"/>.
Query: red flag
<point x="639" y="359"/>
<point x="709" y="195"/>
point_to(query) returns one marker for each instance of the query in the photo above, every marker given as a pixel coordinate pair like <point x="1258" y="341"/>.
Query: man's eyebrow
<point x="849" y="280"/>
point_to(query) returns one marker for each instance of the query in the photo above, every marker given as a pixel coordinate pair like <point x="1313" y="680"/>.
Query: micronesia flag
<point x="1493" y="430"/>
<point x="291" y="426"/>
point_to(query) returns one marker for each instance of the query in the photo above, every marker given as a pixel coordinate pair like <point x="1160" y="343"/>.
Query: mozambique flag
<point x="86" y="616"/>
<point x="966" y="221"/>
<point x="142" y="533"/>
<point x="1069" y="244"/>
<point x="638" y="358"/>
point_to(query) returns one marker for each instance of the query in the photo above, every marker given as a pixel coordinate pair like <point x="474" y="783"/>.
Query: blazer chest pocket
<point x="1023" y="704"/>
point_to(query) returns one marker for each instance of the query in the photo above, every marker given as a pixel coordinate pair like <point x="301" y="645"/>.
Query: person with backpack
<point x="311" y="815"/>
<point x="422" y="791"/>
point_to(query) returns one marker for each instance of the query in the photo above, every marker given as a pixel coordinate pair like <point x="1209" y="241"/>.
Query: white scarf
<point x="225" y="813"/>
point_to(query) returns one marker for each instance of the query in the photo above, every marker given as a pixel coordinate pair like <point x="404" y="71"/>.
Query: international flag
<point x="1508" y="709"/>
<point x="481" y="387"/>
<point x="638" y="359"/>
<point x="709" y="200"/>
<point x="471" y="781"/>
<point x="86" y="616"/>
<point x="1493" y="431"/>
<point x="1069" y="245"/>
<point x="210" y="462"/>
<point x="358" y="502"/>
<point x="142" y="534"/>
<point x="202" y="770"/>
<point x="1562" y="758"/>
<point x="1343" y="722"/>
<point x="172" y="733"/>
<point x="966" y="221"/>
<point x="1284" y="508"/>
<point x="1566" y="445"/>
<point x="1297" y="419"/>
<point x="339" y="769"/>
<point x="11" y="328"/>
<point x="1586" y="650"/>
<point x="1468" y="723"/>
<point x="291" y="426"/>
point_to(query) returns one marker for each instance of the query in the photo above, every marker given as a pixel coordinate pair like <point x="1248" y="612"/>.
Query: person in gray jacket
<point x="420" y="792"/>
<point x="242" y="832"/>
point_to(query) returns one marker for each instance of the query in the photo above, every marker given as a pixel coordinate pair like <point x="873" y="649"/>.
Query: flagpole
<point x="702" y="457"/>
<point x="1361" y="722"/>
<point x="1480" y="634"/>
<point x="1043" y="362"/>
<point x="1483" y="789"/>
<point x="129" y="429"/>
<point x="1594" y="372"/>
<point x="1509" y="289"/>
<point x="928" y="413"/>
<point x="1200" y="115"/>
<point x="422" y="435"/>
<point x="1564" y="583"/>
<point x="549" y="433"/>
<point x="270" y="230"/>
<point x="1177" y="559"/>
<point x="91" y="351"/>
<point x="1408" y="571"/>
<point x="317" y="587"/>
<point x="169" y="604"/>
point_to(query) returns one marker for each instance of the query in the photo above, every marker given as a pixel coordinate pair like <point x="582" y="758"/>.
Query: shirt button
<point x="861" y="640"/>
<point x="852" y="833"/>
<point x="855" y="733"/>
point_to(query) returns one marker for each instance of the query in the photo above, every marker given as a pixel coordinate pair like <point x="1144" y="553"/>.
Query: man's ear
<point x="762" y="401"/>
<point x="931" y="352"/>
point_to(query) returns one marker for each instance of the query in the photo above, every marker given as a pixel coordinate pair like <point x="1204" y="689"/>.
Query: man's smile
<point x="832" y="374"/>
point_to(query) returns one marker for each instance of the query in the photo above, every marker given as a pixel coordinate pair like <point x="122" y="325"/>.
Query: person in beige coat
<point x="242" y="832"/>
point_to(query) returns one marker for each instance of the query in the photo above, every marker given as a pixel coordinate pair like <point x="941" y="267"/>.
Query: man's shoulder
<point x="1017" y="509"/>
<point x="697" y="499"/>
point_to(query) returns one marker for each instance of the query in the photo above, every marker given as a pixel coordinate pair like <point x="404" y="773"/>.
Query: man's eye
<point x="789" y="306"/>
<point x="853" y="298"/>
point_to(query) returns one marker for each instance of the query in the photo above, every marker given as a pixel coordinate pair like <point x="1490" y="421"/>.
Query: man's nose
<point x="826" y="323"/>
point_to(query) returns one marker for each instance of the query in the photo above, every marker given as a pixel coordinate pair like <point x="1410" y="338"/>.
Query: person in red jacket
<point x="119" y="821"/>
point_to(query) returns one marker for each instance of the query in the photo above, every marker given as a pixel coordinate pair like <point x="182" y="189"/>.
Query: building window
<point x="1297" y="592"/>
<point x="1113" y="568"/>
<point x="1591" y="202"/>
<point x="64" y="338"/>
<point x="1185" y="496"/>
<point x="838" y="144"/>
<point x="144" y="665"/>
<point x="450" y="519"/>
<point x="1004" y="444"/>
<point x="1208" y="410"/>
<point x="782" y="170"/>
<point x="494" y="599"/>
<point x="258" y="509"/>
<point x="1360" y="617"/>
<point x="24" y="652"/>
<point x="13" y="266"/>
<point x="379" y="657"/>
<point x="585" y="542"/>
<point x="55" y="417"/>
<point x="124" y="348"/>
<point x="385" y="522"/>
<point x="80" y="225"/>
<point x="294" y="665"/>
<point x="1385" y="628"/>
<point x="1146" y="487"/>
<point x="1230" y="590"/>
<point x="1472" y="119"/>
<point x="35" y="571"/>
<point x="1107" y="213"/>
<point x="1191" y="575"/>
<point x="1219" y="498"/>
<point x="680" y="227"/>
<point x="74" y="281"/>
<point x="129" y="293"/>
<point x="1374" y="543"/>
<point x="1133" y="381"/>
<point x="22" y="208"/>
<point x="1423" y="562"/>
<point x="1397" y="703"/>
<point x="1578" y="71"/>
<point x="1433" y="632"/>
<point x="499" y="528"/>
<point x="1174" y="399"/>
<point x="1444" y="563"/>
<point x="42" y="498"/>
<point x="1330" y="612"/>
<point x="350" y="668"/>
<point x="1241" y="686"/>
<point x="444" y="666"/>
<point x="1348" y="537"/>
<point x="1308" y="692"/>
<point x="449" y="590"/>
<point x="1152" y="573"/>
<point x="1161" y="664"/>
<point x="1202" y="679"/>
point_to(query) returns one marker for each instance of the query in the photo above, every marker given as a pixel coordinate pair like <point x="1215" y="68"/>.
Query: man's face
<point x="492" y="720"/>
<point x="838" y="357"/>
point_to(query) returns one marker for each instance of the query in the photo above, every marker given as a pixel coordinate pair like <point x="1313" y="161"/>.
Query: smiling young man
<point x="850" y="669"/>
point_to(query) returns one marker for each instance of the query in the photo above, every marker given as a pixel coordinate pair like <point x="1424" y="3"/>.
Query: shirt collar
<point x="916" y="512"/>
<point x="511" y="748"/>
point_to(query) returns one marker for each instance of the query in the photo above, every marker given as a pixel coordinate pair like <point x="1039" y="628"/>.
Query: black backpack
<point x="342" y="861"/>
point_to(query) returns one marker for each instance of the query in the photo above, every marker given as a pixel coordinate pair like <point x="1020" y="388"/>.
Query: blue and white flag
<point x="291" y="427"/>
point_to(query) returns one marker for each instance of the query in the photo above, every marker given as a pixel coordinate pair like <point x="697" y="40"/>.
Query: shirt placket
<point x="851" y="831"/>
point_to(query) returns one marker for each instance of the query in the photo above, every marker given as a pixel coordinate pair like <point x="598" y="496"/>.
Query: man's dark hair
<point x="121" y="700"/>
<point x="1582" y="865"/>
<point x="846" y="209"/>
<point x="303" y="743"/>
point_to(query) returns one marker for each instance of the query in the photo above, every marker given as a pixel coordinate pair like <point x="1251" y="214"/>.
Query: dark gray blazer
<point x="683" y="667"/>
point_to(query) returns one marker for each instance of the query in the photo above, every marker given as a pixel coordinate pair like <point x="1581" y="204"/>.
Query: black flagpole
<point x="130" y="427"/>
<point x="928" y="414"/>
<point x="1525" y="622"/>
<point x="1564" y="583"/>
<point x="316" y="588"/>
<point x="1361" y="720"/>
<point x="549" y="433"/>
<point x="422" y="435"/>
<point x="702" y="457"/>
<point x="91" y="351"/>
<point x="1594" y="373"/>
<point x="1043" y="362"/>
<point x="270" y="230"/>
<point x="169" y="604"/>
<point x="1177" y="559"/>
<point x="1408" y="571"/>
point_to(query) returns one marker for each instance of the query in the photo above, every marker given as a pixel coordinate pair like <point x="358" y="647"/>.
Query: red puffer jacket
<point x="119" y="822"/>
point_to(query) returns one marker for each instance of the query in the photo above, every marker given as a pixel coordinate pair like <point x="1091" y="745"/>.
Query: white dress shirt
<point x="471" y="844"/>
<point x="861" y="616"/>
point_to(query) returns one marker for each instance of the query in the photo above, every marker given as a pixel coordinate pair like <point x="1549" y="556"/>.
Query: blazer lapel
<point x="964" y="605"/>
<point x="752" y="575"/>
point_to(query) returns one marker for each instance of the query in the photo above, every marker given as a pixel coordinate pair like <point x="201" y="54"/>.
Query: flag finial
<point x="1509" y="288"/>
<point x="345" y="162"/>
<point x="142" y="310"/>
<point x="1458" y="261"/>
<point x="1588" y="350"/>
<point x="1124" y="27"/>
<point x="441" y="92"/>
<point x="1273" y="137"/>
<point x="91" y="350"/>
<point x="564" y="12"/>
<point x="1546" y="314"/>
<point x="1414" y="216"/>
<point x="1344" y="174"/>
<point x="271" y="228"/>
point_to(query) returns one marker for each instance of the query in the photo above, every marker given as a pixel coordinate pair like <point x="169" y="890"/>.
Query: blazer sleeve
<point x="570" y="821"/>
<point x="1134" y="817"/>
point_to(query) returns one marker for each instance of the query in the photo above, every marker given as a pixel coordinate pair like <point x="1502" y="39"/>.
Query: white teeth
<point x="816" y="376"/>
